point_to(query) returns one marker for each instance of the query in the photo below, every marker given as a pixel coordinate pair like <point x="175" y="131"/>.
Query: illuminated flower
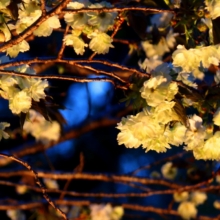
<point x="168" y="171"/>
<point x="208" y="23"/>
<point x="216" y="204"/>
<point x="117" y="213"/>
<point x="187" y="210"/>
<point x="50" y="183"/>
<point x="191" y="60"/>
<point x="163" y="46"/>
<point x="159" y="49"/>
<point x="106" y="212"/>
<point x="101" y="20"/>
<point x="164" y="112"/>
<point x="6" y="32"/>
<point x="177" y="134"/>
<point x="180" y="197"/>
<point x="29" y="11"/>
<point x="126" y="135"/>
<point x="195" y="133"/>
<point x="77" y="20"/>
<point x="34" y="87"/>
<point x="216" y="117"/>
<point x="100" y="212"/>
<point x="100" y="42"/>
<point x="217" y="178"/>
<point x="210" y="150"/>
<point x="21" y="189"/>
<point x="42" y="130"/>
<point x="213" y="7"/>
<point x="158" y="89"/>
<point x="142" y="129"/>
<point x="3" y="134"/>
<point x="198" y="198"/>
<point x="76" y="42"/>
<point x="6" y="82"/>
<point x="20" y="102"/>
<point x="46" y="28"/>
<point x="14" y="50"/>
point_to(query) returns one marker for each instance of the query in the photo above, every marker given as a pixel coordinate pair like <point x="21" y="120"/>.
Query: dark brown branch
<point x="74" y="62"/>
<point x="60" y="54"/>
<point x="68" y="78"/>
<point x="28" y="32"/>
<point x="95" y="177"/>
<point x="121" y="9"/>
<point x="111" y="195"/>
<point x="170" y="158"/>
<point x="43" y="7"/>
<point x="133" y="207"/>
<point x="34" y="173"/>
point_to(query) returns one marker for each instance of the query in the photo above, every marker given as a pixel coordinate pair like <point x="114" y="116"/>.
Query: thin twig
<point x="29" y="31"/>
<point x="68" y="78"/>
<point x="121" y="9"/>
<point x="97" y="177"/>
<point x="43" y="7"/>
<point x="170" y="158"/>
<point x="133" y="207"/>
<point x="116" y="29"/>
<point x="111" y="195"/>
<point x="35" y="174"/>
<point x="60" y="54"/>
<point x="73" y="62"/>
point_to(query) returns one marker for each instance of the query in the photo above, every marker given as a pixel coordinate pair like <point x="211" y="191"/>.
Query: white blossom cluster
<point x="43" y="130"/>
<point x="159" y="125"/>
<point x="106" y="212"/>
<point x="160" y="21"/>
<point x="29" y="12"/>
<point x="92" y="24"/>
<point x="20" y="92"/>
<point x="149" y="127"/>
<point x="187" y="208"/>
<point x="196" y="60"/>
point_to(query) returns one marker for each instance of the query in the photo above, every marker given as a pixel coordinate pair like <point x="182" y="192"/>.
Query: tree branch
<point x="34" y="173"/>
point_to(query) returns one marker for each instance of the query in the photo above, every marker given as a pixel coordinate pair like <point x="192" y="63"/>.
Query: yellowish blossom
<point x="168" y="171"/>
<point x="187" y="210"/>
<point x="181" y="196"/>
<point x="20" y="102"/>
